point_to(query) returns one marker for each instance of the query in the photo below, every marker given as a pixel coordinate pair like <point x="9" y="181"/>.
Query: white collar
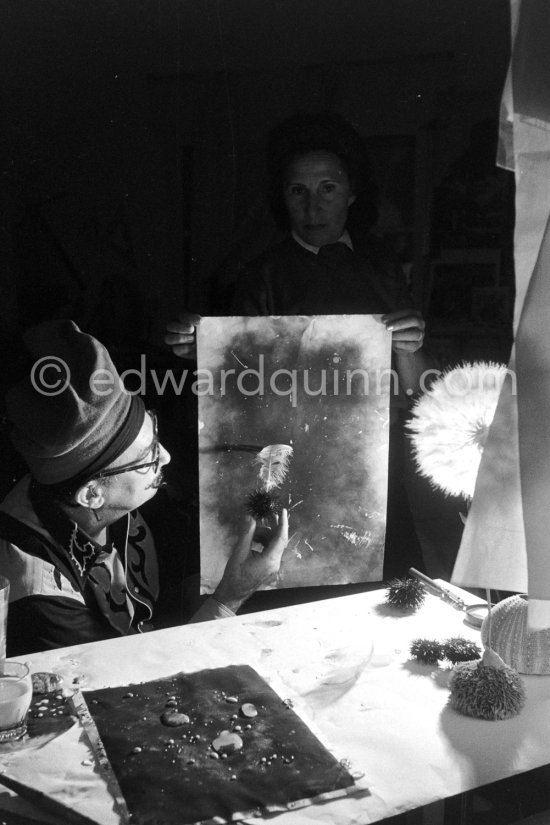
<point x="344" y="238"/>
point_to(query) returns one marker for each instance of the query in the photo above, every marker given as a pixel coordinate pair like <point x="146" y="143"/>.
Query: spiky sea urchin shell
<point x="261" y="504"/>
<point x="457" y="649"/>
<point x="406" y="594"/>
<point x="426" y="651"/>
<point x="450" y="424"/>
<point x="486" y="691"/>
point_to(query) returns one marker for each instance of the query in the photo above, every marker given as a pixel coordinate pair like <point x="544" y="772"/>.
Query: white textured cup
<point x="527" y="651"/>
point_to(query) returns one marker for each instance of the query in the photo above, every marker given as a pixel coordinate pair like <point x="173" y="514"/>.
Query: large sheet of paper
<point x="505" y="541"/>
<point x="320" y="387"/>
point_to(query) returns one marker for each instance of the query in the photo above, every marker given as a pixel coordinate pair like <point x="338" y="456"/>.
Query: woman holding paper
<point x="323" y="197"/>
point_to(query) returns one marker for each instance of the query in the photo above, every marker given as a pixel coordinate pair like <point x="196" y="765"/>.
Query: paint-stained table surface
<point x="344" y="663"/>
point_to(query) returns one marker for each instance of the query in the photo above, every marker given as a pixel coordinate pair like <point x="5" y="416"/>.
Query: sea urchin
<point x="261" y="504"/>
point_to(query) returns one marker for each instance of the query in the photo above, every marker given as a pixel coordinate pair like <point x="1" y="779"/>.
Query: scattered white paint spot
<point x="350" y="534"/>
<point x="239" y="360"/>
<point x="376" y="514"/>
<point x="295" y="505"/>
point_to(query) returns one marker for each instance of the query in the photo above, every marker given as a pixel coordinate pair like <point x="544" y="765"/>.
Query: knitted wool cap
<point x="71" y="415"/>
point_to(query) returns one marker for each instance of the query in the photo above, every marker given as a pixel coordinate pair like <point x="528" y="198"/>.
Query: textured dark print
<point x="159" y="739"/>
<point x="321" y="386"/>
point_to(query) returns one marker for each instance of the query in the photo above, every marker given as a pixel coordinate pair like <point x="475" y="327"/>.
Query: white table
<point x="387" y="715"/>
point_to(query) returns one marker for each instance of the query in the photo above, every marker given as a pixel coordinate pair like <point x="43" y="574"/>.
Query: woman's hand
<point x="407" y="327"/>
<point x="180" y="335"/>
<point x="247" y="570"/>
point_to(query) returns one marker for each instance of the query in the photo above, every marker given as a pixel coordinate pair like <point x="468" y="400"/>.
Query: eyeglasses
<point x="128" y="468"/>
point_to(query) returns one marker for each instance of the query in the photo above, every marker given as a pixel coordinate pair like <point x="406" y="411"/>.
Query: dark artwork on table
<point x="164" y="741"/>
<point x="314" y="389"/>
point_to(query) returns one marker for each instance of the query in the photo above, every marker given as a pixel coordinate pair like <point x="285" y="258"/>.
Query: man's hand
<point x="180" y="335"/>
<point x="246" y="570"/>
<point x="407" y="327"/>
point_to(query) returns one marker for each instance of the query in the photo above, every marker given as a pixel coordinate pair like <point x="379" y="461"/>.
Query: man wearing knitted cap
<point x="81" y="561"/>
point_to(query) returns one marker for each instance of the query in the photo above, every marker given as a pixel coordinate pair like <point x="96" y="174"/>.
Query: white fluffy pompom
<point x="450" y="424"/>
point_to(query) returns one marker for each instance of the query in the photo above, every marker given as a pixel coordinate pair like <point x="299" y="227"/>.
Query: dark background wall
<point x="132" y="171"/>
<point x="132" y="161"/>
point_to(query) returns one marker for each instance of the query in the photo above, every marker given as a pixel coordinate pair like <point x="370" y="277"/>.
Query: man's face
<point x="130" y="489"/>
<point x="317" y="194"/>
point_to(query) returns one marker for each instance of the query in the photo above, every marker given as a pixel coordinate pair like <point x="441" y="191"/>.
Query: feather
<point x="274" y="460"/>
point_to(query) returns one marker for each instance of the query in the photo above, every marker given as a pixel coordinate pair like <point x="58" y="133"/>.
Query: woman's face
<point x="317" y="194"/>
